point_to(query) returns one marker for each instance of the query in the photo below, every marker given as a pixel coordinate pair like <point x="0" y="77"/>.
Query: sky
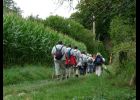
<point x="45" y="8"/>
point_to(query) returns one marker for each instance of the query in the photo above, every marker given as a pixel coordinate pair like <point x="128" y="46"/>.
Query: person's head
<point x="75" y="47"/>
<point x="69" y="45"/>
<point x="94" y="55"/>
<point x="60" y="42"/>
<point x="98" y="53"/>
<point x="83" y="52"/>
<point x="90" y="55"/>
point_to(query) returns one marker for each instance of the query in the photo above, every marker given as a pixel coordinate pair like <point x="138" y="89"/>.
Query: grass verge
<point x="89" y="87"/>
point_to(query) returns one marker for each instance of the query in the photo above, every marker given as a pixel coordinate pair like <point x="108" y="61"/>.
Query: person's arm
<point x="72" y="52"/>
<point x="63" y="50"/>
<point x="103" y="59"/>
<point x="66" y="50"/>
<point x="80" y="59"/>
<point x="53" y="51"/>
<point x="88" y="59"/>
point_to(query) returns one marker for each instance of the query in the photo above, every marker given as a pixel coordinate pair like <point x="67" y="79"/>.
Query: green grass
<point x="17" y="74"/>
<point x="88" y="87"/>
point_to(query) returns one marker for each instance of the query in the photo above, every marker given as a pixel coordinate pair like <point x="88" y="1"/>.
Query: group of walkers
<point x="71" y="61"/>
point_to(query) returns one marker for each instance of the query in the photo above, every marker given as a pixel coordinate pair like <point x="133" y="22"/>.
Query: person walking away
<point x="70" y="60"/>
<point x="58" y="52"/>
<point x="83" y="68"/>
<point x="94" y="67"/>
<point x="98" y="63"/>
<point x="90" y="64"/>
<point x="77" y="54"/>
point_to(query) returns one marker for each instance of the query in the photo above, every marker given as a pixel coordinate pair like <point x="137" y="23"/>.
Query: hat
<point x="90" y="55"/>
<point x="98" y="53"/>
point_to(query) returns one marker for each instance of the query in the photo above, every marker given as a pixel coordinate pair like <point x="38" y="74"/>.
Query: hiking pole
<point x="53" y="74"/>
<point x="101" y="89"/>
<point x="101" y="85"/>
<point x="105" y="69"/>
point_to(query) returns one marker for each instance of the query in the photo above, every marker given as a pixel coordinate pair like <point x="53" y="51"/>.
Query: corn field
<point x="28" y="42"/>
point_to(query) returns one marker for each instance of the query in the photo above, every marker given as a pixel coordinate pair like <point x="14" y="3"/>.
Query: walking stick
<point x="106" y="70"/>
<point x="53" y="74"/>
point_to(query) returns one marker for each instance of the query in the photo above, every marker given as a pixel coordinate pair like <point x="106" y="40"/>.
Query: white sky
<point x="45" y="8"/>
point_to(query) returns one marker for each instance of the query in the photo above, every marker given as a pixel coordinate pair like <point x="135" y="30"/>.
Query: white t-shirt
<point x="90" y="59"/>
<point x="77" y="54"/>
<point x="58" y="46"/>
<point x="71" y="51"/>
<point x="83" y="58"/>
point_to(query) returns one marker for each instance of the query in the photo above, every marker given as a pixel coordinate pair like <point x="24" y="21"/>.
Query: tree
<point x="104" y="11"/>
<point x="10" y="6"/>
<point x="60" y="2"/>
<point x="72" y="29"/>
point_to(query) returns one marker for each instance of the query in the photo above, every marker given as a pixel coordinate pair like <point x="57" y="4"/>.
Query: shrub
<point x="121" y="31"/>
<point x="72" y="29"/>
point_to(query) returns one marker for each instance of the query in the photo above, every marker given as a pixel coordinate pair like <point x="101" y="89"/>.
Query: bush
<point x="123" y="37"/>
<point x="124" y="68"/>
<point x="72" y="29"/>
<point x="99" y="47"/>
<point x="121" y="31"/>
<point x="27" y="41"/>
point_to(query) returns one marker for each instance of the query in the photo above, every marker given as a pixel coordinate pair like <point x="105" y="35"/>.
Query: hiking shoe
<point x="62" y="78"/>
<point x="57" y="79"/>
<point x="67" y="77"/>
<point x="76" y="75"/>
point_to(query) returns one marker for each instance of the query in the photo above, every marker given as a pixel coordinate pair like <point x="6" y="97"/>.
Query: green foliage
<point x="35" y="18"/>
<point x="104" y="11"/>
<point x="72" y="29"/>
<point x="121" y="31"/>
<point x="27" y="41"/>
<point x="98" y="8"/>
<point x="123" y="38"/>
<point x="114" y="20"/>
<point x="58" y="23"/>
<point x="125" y="46"/>
<point x="127" y="68"/>
<point x="98" y="46"/>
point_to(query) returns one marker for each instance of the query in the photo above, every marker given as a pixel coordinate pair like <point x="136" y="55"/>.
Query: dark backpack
<point x="98" y="60"/>
<point x="68" y="54"/>
<point x="90" y="61"/>
<point x="58" y="54"/>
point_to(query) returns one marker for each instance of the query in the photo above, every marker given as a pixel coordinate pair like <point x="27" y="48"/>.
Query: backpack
<point x="98" y="60"/>
<point x="84" y="61"/>
<point x="58" y="54"/>
<point x="90" y="61"/>
<point x="68" y="54"/>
